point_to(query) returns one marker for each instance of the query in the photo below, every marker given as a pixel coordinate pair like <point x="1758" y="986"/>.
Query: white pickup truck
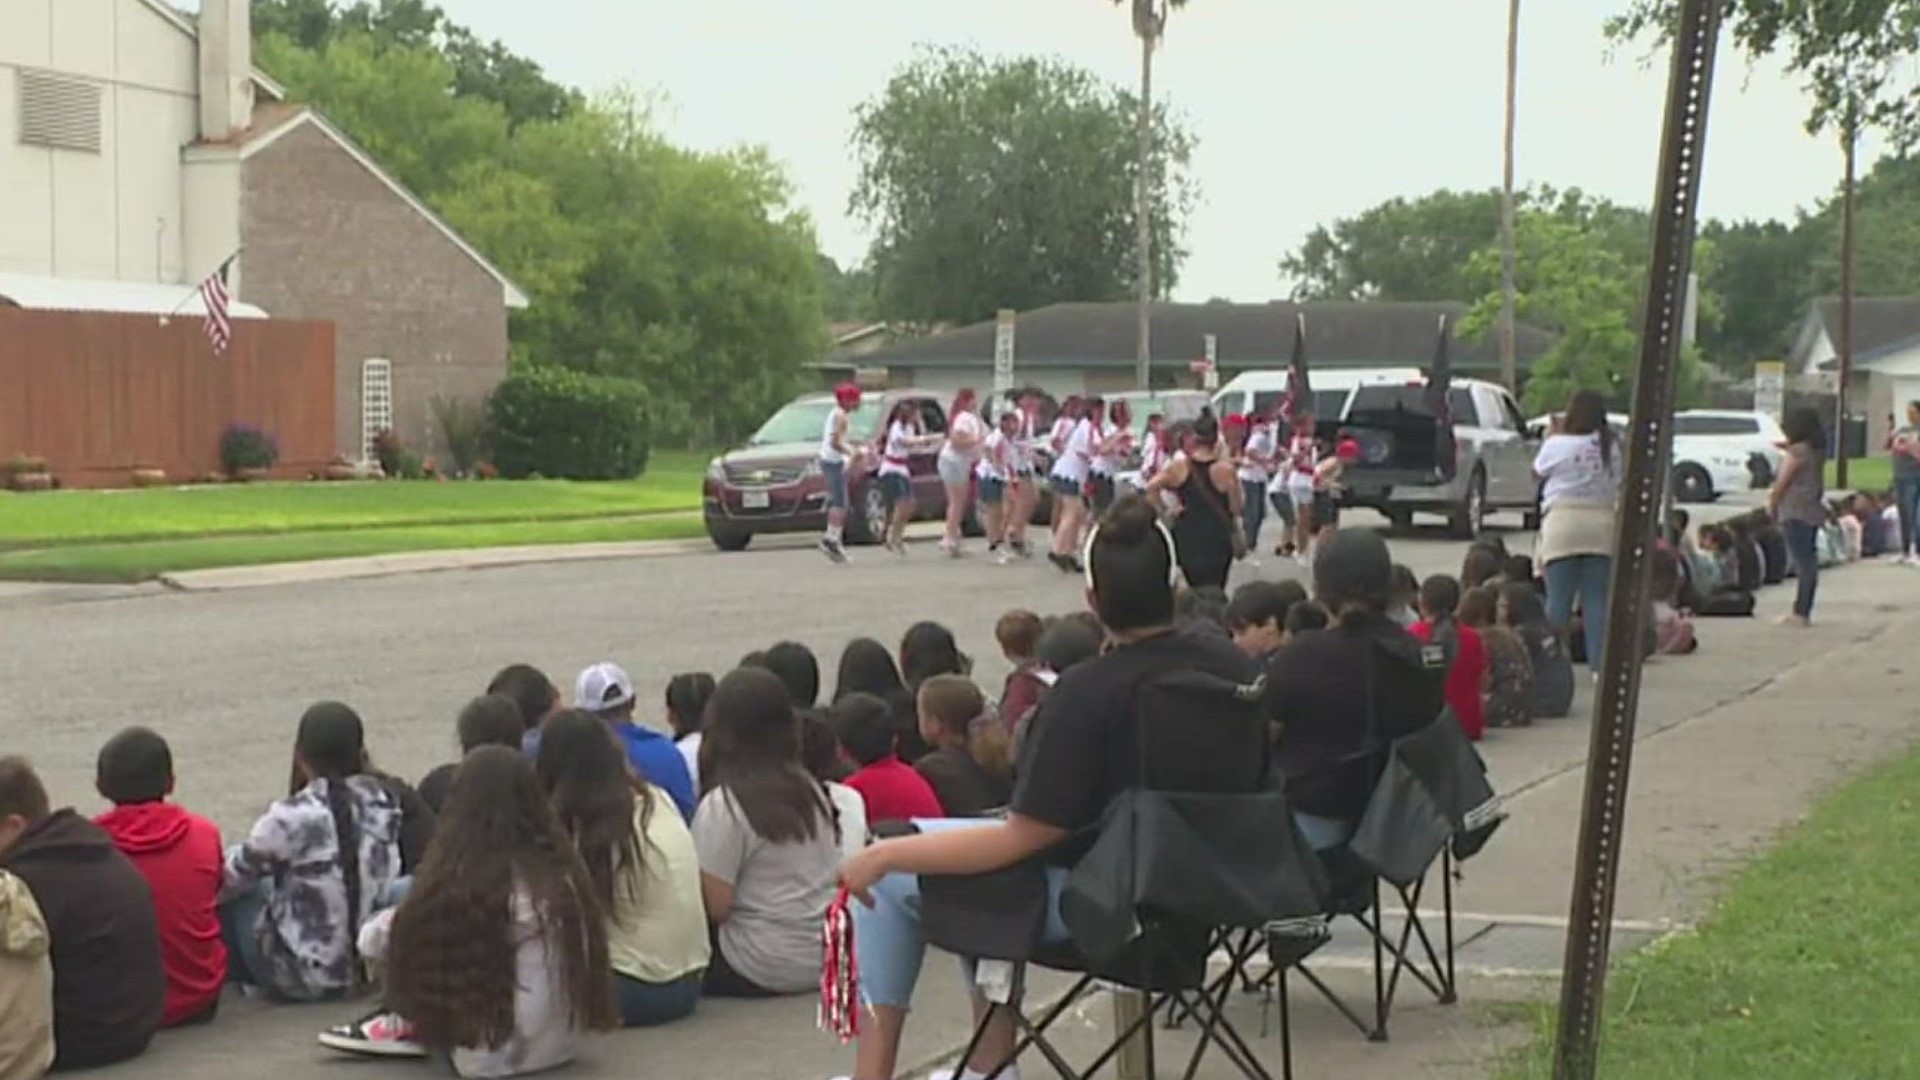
<point x="1401" y="471"/>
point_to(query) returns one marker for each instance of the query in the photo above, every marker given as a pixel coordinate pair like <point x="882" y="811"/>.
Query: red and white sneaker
<point x="382" y="1033"/>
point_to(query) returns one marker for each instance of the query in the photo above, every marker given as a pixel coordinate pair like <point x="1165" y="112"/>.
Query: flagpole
<point x="195" y="290"/>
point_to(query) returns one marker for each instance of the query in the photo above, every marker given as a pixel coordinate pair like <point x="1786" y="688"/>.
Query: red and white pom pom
<point x="839" y="972"/>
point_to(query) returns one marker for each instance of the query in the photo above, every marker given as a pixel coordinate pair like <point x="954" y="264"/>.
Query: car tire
<point x="867" y="519"/>
<point x="728" y="539"/>
<point x="1469" y="519"/>
<point x="1691" y="484"/>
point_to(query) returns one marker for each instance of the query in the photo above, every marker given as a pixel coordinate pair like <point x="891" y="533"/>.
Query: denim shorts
<point x="836" y="474"/>
<point x="1065" y="488"/>
<point x="896" y="487"/>
<point x="992" y="490"/>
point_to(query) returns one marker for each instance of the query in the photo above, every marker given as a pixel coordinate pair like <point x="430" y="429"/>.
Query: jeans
<point x="1801" y="538"/>
<point x="887" y="941"/>
<point x="1585" y="577"/>
<point x="645" y="1004"/>
<point x="1906" y="500"/>
<point x="240" y="931"/>
<point x="1254" y="510"/>
<point x="836" y="476"/>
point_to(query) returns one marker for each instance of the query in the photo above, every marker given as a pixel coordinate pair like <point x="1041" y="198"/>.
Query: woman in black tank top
<point x="1210" y="495"/>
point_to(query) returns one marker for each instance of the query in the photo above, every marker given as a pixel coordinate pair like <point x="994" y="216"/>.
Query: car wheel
<point x="1691" y="484"/>
<point x="1470" y="517"/>
<point x="728" y="539"/>
<point x="1399" y="519"/>
<point x="868" y="523"/>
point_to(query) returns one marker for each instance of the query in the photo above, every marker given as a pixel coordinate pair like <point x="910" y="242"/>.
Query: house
<point x="1080" y="348"/>
<point x="145" y="151"/>
<point x="1886" y="356"/>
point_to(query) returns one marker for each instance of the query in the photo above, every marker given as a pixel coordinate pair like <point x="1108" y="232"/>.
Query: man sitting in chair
<point x="1081" y="751"/>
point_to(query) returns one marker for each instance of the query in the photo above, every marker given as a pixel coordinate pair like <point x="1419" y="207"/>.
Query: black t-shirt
<point x="964" y="788"/>
<point x="437" y="785"/>
<point x="1081" y="749"/>
<point x="1318" y="691"/>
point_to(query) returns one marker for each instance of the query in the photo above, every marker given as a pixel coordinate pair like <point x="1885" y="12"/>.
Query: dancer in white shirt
<point x="836" y="452"/>
<point x="966" y="438"/>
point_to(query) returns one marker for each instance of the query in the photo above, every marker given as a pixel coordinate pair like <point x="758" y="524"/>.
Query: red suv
<point x="773" y="484"/>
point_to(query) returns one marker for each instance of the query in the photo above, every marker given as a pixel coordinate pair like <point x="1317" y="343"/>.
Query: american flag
<point x="213" y="293"/>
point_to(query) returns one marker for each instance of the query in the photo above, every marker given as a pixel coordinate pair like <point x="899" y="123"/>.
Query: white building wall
<point x="116" y="214"/>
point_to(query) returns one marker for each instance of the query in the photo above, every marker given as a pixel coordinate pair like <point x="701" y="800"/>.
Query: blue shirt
<point x="653" y="757"/>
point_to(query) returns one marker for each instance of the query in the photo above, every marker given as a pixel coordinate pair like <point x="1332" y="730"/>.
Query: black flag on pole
<point x="1299" y="386"/>
<point x="1439" y="387"/>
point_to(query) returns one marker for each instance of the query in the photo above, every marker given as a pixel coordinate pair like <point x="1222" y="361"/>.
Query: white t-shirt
<point x="780" y="894"/>
<point x="1108" y="464"/>
<point x="827" y="453"/>
<point x="1300" y="464"/>
<point x="657" y="932"/>
<point x="900" y="436"/>
<point x="967" y="423"/>
<point x="997" y="459"/>
<point x="1078" y="455"/>
<point x="1262" y="443"/>
<point x="689" y="748"/>
<point x="1570" y="467"/>
<point x="851" y="808"/>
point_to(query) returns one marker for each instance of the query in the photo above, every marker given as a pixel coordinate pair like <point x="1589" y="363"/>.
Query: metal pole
<point x="1146" y="26"/>
<point x="1509" y="287"/>
<point x="1649" y="446"/>
<point x="1846" y="303"/>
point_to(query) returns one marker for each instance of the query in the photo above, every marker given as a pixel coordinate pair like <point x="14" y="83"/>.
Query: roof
<point x="272" y="122"/>
<point x="185" y="24"/>
<point x="124" y="297"/>
<point x="1249" y="336"/>
<point x="1882" y="325"/>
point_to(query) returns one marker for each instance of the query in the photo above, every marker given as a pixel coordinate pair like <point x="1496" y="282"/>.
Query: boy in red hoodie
<point x="179" y="854"/>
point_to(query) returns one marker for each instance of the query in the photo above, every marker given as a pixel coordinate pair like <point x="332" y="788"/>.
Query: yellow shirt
<point x="658" y="932"/>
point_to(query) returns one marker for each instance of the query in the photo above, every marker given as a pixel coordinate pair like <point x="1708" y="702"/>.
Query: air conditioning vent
<point x="63" y="114"/>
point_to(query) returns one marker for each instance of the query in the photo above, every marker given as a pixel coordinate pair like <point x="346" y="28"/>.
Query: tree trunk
<point x="1851" y="134"/>
<point x="1146" y="25"/>
<point x="1509" y="350"/>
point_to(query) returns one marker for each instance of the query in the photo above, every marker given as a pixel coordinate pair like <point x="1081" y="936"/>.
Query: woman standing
<point x="1069" y="481"/>
<point x="1256" y="471"/>
<point x="1207" y="532"/>
<point x="1579" y="470"/>
<point x="966" y="438"/>
<point x="905" y="435"/>
<point x="1904" y="442"/>
<point x="1795" y="502"/>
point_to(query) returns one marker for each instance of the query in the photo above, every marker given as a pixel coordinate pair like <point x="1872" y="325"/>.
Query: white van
<point x="1401" y="469"/>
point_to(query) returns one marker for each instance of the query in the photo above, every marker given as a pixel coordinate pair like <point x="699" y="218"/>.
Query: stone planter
<point x="38" y="481"/>
<point x="341" y="472"/>
<point x="149" y="478"/>
<point x="251" y="476"/>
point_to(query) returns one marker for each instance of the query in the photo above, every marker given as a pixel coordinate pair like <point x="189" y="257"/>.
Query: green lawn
<point x="1864" y="474"/>
<point x="671" y="483"/>
<point x="1807" y="969"/>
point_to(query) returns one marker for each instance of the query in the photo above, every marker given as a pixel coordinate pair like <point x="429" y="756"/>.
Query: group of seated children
<point x="568" y="874"/>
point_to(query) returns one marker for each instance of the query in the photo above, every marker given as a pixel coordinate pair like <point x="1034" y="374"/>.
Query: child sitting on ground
<point x="821" y="756"/>
<point x="1257" y="615"/>
<point x="1304" y="618"/>
<point x="968" y="768"/>
<point x="490" y="720"/>
<point x="1510" y="674"/>
<point x="687" y="697"/>
<point x="889" y="786"/>
<point x="1404" y="605"/>
<point x="26" y="984"/>
<point x="179" y="854"/>
<point x="1018" y="633"/>
<point x="1467" y="655"/>
<point x="1521" y="611"/>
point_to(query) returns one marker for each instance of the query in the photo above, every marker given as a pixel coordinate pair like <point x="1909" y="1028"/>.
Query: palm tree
<point x="1149" y="23"/>
<point x="1509" y="361"/>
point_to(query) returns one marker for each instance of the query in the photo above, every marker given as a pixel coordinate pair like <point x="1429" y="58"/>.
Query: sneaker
<point x="1022" y="549"/>
<point x="1796" y="621"/>
<point x="382" y="1033"/>
<point x="832" y="549"/>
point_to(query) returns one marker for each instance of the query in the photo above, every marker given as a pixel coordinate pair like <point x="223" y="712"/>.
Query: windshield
<point x="806" y="421"/>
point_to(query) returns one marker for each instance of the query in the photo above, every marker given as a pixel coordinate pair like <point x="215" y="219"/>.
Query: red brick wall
<point x="326" y="239"/>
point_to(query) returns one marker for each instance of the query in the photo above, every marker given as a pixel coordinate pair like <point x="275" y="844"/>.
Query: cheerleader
<point x="905" y="436"/>
<point x="1302" y="458"/>
<point x="1116" y="442"/>
<point x="996" y="472"/>
<point x="1069" y="481"/>
<point x="966" y="434"/>
<point x="1023" y="492"/>
<point x="836" y="452"/>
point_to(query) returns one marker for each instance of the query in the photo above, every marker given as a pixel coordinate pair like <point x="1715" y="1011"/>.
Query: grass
<point x="148" y="559"/>
<point x="1806" y="970"/>
<point x="1864" y="474"/>
<point x="671" y="483"/>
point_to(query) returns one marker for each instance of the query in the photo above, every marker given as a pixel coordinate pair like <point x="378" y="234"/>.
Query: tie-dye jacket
<point x="304" y="938"/>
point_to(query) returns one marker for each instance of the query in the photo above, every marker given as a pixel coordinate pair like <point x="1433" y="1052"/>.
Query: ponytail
<point x="331" y="747"/>
<point x="346" y="833"/>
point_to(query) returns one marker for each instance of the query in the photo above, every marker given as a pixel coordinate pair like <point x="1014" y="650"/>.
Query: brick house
<point x="147" y="150"/>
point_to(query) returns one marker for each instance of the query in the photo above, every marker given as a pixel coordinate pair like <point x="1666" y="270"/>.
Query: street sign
<point x="1003" y="352"/>
<point x="1770" y="388"/>
<point x="1210" y="378"/>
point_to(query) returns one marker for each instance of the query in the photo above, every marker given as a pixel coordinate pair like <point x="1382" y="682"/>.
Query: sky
<point x="1305" y="110"/>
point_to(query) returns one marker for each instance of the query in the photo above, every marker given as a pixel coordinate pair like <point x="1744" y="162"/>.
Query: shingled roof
<point x="1881" y="324"/>
<point x="1093" y="335"/>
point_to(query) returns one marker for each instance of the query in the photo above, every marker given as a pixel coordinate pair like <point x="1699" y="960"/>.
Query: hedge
<point x="558" y="423"/>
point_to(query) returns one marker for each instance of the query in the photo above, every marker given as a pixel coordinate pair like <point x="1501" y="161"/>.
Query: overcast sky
<point x="1306" y="110"/>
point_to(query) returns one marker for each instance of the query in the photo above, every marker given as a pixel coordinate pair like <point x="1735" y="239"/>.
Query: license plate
<point x="753" y="500"/>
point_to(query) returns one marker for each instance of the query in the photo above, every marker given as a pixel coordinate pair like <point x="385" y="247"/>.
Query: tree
<point x="848" y="293"/>
<point x="997" y="183"/>
<point x="1763" y="279"/>
<point x="1149" y="25"/>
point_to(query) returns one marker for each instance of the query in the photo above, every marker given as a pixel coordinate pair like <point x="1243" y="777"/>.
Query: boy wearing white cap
<point x="605" y="691"/>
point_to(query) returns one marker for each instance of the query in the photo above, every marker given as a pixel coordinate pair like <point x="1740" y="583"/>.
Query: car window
<point x="806" y="421"/>
<point x="1715" y="425"/>
<point x="933" y="417"/>
<point x="1464" y="409"/>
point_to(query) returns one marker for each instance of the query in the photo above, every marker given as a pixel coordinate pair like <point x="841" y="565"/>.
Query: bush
<point x="463" y="425"/>
<point x="387" y="450"/>
<point x="560" y="423"/>
<point x="244" y="447"/>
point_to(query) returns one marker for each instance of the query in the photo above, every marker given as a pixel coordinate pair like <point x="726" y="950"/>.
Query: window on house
<point x="63" y="114"/>
<point x="376" y="403"/>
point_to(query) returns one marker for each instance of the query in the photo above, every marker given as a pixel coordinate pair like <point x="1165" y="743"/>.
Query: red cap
<point x="1236" y="420"/>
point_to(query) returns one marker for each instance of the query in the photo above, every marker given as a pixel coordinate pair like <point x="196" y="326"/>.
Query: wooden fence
<point x="100" y="395"/>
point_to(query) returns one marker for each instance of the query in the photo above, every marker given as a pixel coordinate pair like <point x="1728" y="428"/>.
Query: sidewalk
<point x="1735" y="744"/>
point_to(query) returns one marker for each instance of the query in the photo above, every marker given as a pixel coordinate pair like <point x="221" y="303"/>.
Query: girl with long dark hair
<point x="1115" y="446"/>
<point x="1208" y="529"/>
<point x="687" y="695"/>
<point x="1579" y="470"/>
<point x="767" y="841"/>
<point x="905" y="436"/>
<point x="498" y="957"/>
<point x="313" y="867"/>
<point x="641" y="864"/>
<point x="1796" y="503"/>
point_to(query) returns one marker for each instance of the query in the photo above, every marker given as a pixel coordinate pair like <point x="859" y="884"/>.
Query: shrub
<point x="463" y="425"/>
<point x="244" y="447"/>
<point x="557" y="422"/>
<point x="387" y="450"/>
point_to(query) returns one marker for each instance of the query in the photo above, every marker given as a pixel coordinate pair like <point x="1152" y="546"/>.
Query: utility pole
<point x="1509" y="288"/>
<point x="1147" y="24"/>
<point x="1851" y="133"/>
<point x="1629" y="605"/>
